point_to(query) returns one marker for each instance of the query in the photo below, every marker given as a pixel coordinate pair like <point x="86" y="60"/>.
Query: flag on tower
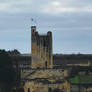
<point x="32" y="19"/>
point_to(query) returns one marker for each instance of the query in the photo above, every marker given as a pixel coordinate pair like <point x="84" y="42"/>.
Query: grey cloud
<point x="72" y="31"/>
<point x="37" y="6"/>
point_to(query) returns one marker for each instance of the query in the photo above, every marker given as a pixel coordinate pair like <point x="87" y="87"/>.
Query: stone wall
<point x="41" y="48"/>
<point x="47" y="80"/>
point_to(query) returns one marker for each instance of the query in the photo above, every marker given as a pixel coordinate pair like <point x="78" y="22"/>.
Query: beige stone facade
<point x="39" y="87"/>
<point x="47" y="80"/>
<point x="41" y="48"/>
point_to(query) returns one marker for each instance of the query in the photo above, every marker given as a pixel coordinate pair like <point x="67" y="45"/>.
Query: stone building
<point x="46" y="73"/>
<point x="46" y="80"/>
<point x="41" y="48"/>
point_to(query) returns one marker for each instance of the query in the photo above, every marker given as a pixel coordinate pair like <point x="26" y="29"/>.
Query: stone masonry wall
<point x="41" y="48"/>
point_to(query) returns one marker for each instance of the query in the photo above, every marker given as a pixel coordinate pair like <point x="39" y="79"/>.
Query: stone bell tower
<point x="41" y="49"/>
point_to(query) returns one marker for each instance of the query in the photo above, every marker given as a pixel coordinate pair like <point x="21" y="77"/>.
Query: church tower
<point x="41" y="49"/>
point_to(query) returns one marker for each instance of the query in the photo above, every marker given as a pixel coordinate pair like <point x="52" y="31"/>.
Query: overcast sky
<point x="69" y="20"/>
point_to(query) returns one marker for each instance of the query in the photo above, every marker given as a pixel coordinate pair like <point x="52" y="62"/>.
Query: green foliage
<point x="83" y="79"/>
<point x="75" y="80"/>
<point x="7" y="73"/>
<point x="14" y="52"/>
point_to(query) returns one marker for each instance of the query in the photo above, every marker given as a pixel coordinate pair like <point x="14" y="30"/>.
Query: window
<point x="28" y="89"/>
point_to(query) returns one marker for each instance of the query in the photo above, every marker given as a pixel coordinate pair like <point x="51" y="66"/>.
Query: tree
<point x="7" y="73"/>
<point x="14" y="52"/>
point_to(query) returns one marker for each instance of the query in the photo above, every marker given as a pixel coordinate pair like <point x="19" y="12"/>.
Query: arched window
<point x="46" y="64"/>
<point x="49" y="90"/>
<point x="28" y="89"/>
